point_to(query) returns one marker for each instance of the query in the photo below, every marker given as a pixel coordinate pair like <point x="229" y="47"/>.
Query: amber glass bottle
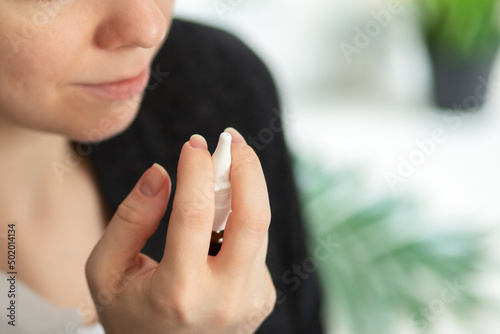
<point x="216" y="242"/>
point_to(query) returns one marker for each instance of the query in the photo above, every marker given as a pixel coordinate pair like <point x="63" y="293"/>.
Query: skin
<point x="84" y="42"/>
<point x="48" y="49"/>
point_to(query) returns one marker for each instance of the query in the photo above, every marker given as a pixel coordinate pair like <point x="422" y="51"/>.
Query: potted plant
<point x="385" y="269"/>
<point x="463" y="38"/>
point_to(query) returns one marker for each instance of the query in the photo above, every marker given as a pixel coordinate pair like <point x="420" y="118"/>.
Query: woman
<point x="80" y="124"/>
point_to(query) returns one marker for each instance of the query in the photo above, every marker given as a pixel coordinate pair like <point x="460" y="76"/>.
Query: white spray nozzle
<point x="222" y="166"/>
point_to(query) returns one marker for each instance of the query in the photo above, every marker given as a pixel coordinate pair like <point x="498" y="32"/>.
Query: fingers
<point x="246" y="234"/>
<point x="133" y="223"/>
<point x="190" y="226"/>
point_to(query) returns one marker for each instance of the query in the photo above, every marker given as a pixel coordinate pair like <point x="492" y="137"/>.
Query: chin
<point x="111" y="122"/>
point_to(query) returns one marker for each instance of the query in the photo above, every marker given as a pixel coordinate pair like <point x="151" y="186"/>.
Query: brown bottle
<point x="216" y="242"/>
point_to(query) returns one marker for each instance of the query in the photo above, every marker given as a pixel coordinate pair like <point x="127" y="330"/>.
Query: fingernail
<point x="237" y="137"/>
<point x="153" y="180"/>
<point x="198" y="141"/>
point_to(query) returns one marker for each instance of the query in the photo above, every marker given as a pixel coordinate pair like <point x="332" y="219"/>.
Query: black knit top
<point x="204" y="80"/>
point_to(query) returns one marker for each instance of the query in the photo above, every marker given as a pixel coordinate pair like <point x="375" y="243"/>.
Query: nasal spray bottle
<point x="222" y="166"/>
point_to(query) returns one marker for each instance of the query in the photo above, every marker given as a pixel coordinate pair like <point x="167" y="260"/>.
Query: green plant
<point x="387" y="268"/>
<point x="461" y="30"/>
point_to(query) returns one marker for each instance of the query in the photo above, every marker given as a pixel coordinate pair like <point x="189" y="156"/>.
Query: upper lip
<point x="117" y="81"/>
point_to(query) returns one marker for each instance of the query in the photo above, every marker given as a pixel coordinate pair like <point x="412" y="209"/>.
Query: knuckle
<point x="256" y="221"/>
<point x="271" y="301"/>
<point x="222" y="317"/>
<point x="190" y="216"/>
<point x="92" y="271"/>
<point x="177" y="305"/>
<point x="272" y="294"/>
<point x="254" y="317"/>
<point x="225" y="314"/>
<point x="129" y="215"/>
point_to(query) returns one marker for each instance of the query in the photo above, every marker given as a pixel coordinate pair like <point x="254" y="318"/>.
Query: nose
<point x="137" y="23"/>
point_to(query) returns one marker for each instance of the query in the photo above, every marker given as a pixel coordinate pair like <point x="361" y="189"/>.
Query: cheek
<point x="41" y="60"/>
<point x="34" y="59"/>
<point x="38" y="65"/>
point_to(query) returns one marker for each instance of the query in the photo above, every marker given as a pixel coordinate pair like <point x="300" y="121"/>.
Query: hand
<point x="188" y="291"/>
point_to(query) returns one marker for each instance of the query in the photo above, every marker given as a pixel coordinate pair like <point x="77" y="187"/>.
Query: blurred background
<point x="392" y="112"/>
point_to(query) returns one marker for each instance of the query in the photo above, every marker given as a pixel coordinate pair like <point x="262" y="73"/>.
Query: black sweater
<point x="215" y="81"/>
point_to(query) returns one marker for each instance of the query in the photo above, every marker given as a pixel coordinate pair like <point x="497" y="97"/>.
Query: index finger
<point x="190" y="225"/>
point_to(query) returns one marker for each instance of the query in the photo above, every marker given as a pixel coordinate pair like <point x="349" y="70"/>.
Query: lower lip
<point x="122" y="90"/>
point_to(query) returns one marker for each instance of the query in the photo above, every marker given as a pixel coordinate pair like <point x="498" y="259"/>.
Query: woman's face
<point x="77" y="67"/>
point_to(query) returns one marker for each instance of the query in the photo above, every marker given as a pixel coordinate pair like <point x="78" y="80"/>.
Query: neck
<point x="27" y="173"/>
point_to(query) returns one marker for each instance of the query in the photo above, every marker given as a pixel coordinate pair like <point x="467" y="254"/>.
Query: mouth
<point x="120" y="90"/>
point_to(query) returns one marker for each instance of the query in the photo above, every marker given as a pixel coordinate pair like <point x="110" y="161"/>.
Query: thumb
<point x="133" y="223"/>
